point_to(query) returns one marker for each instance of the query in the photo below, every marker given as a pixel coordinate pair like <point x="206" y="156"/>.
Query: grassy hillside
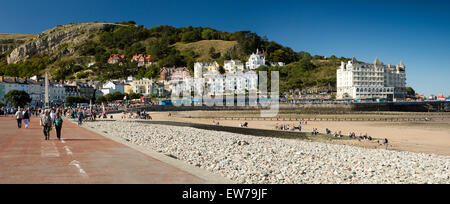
<point x="307" y="73"/>
<point x="23" y="37"/>
<point x="86" y="47"/>
<point x="202" y="48"/>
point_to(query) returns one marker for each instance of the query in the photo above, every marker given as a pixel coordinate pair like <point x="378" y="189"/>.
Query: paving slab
<point x="83" y="156"/>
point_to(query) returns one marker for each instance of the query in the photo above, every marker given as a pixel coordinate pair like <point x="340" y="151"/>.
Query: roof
<point x="237" y="62"/>
<point x="141" y="58"/>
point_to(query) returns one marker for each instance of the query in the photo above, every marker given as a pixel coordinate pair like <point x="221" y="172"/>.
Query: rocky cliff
<point x="11" y="41"/>
<point x="56" y="42"/>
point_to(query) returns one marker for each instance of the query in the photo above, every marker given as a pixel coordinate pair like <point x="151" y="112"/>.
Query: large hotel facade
<point x="359" y="80"/>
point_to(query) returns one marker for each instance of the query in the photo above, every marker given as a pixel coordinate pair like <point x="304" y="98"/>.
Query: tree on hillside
<point x="17" y="98"/>
<point x="213" y="54"/>
<point x="302" y="54"/>
<point x="411" y="93"/>
<point x="191" y="36"/>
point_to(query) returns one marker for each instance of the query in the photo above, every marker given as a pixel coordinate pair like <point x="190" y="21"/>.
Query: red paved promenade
<point x="82" y="157"/>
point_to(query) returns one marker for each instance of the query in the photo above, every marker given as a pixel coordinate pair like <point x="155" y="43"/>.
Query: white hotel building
<point x="359" y="80"/>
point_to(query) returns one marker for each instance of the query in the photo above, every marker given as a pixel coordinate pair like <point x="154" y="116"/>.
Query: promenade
<point x="81" y="157"/>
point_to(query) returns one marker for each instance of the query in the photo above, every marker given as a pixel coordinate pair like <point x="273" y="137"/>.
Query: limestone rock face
<point x="55" y="42"/>
<point x="5" y="48"/>
<point x="9" y="44"/>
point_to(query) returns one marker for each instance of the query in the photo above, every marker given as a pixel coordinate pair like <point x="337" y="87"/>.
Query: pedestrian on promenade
<point x="46" y="123"/>
<point x="26" y="118"/>
<point x="58" y="125"/>
<point x="80" y="117"/>
<point x="19" y="117"/>
<point x="52" y="114"/>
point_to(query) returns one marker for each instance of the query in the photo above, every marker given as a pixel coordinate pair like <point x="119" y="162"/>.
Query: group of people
<point x="245" y="124"/>
<point x="352" y="135"/>
<point x="24" y="115"/>
<point x="137" y="115"/>
<point x="288" y="127"/>
<point x="82" y="114"/>
<point x="51" y="118"/>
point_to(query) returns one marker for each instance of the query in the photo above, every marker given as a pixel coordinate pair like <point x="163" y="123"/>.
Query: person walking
<point x="26" y="118"/>
<point x="80" y="117"/>
<point x="46" y="123"/>
<point x="52" y="115"/>
<point x="19" y="117"/>
<point x="58" y="125"/>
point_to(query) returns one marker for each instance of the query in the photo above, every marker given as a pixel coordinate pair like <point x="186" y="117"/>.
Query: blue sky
<point x="417" y="32"/>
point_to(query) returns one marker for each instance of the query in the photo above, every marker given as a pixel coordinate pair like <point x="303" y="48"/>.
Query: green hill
<point x="202" y="48"/>
<point x="81" y="51"/>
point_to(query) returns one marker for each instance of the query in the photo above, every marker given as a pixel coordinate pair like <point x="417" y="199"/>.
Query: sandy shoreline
<point x="432" y="137"/>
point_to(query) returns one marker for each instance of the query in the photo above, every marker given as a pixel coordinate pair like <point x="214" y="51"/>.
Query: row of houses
<point x="146" y="87"/>
<point x="58" y="91"/>
<point x="140" y="59"/>
<point x="237" y="79"/>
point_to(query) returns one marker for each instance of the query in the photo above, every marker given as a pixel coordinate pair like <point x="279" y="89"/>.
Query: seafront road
<point x="83" y="156"/>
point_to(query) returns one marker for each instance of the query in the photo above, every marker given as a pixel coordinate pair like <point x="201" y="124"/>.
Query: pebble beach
<point x="263" y="160"/>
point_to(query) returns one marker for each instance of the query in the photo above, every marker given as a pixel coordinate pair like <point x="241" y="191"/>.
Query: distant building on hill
<point x="232" y="66"/>
<point x="202" y="69"/>
<point x="256" y="60"/>
<point x="168" y="74"/>
<point x="142" y="60"/>
<point x="143" y="86"/>
<point x="117" y="59"/>
<point x="359" y="80"/>
<point x="113" y="86"/>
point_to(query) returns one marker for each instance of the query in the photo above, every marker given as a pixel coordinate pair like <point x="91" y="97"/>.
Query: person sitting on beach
<point x="385" y="142"/>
